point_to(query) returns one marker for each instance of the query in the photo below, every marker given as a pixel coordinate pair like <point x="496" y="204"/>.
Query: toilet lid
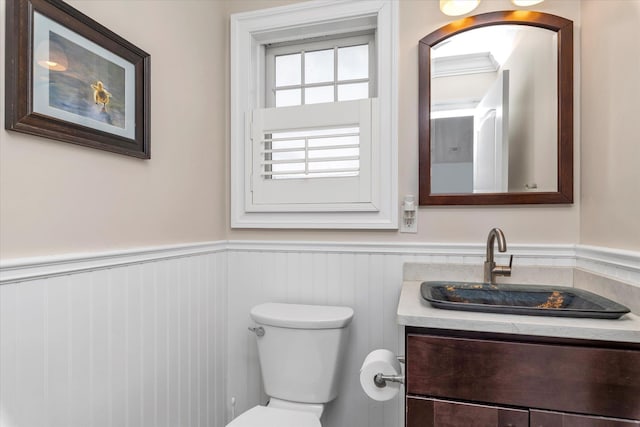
<point x="263" y="416"/>
<point x="302" y="316"/>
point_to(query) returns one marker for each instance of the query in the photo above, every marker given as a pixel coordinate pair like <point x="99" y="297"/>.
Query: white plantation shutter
<point x="313" y="157"/>
<point x="311" y="153"/>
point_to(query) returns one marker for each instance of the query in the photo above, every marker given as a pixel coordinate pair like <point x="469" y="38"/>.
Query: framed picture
<point x="71" y="79"/>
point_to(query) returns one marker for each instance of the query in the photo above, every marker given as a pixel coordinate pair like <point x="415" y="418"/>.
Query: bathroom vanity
<point x="481" y="369"/>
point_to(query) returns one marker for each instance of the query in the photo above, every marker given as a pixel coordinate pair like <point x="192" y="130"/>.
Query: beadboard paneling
<point x="369" y="283"/>
<point x="137" y="345"/>
<point x="158" y="336"/>
<point x="367" y="278"/>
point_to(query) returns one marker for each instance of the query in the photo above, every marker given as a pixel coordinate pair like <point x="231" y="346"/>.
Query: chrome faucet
<point x="490" y="267"/>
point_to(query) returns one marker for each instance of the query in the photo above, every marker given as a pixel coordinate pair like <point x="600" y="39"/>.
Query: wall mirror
<point x="496" y="110"/>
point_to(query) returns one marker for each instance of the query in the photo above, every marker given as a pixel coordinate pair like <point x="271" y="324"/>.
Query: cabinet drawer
<point x="567" y="378"/>
<point x="424" y="412"/>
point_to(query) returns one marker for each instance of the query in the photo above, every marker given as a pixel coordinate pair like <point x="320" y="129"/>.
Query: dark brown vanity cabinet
<point x="426" y="412"/>
<point x="550" y="419"/>
<point x="459" y="379"/>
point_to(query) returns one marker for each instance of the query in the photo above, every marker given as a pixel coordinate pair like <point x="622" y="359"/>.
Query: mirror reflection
<point x="494" y="111"/>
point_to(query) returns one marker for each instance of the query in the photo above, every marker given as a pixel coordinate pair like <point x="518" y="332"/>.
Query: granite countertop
<point x="414" y="311"/>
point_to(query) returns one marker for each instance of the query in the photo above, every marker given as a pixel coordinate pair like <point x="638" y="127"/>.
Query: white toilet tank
<point x="301" y="351"/>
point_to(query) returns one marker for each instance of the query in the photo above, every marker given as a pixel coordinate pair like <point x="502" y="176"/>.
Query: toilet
<point x="301" y="349"/>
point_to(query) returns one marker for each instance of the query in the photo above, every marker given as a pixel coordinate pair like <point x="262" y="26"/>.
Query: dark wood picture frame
<point x="564" y="29"/>
<point x="94" y="127"/>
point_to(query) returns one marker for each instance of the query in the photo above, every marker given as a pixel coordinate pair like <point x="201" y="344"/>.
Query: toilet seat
<point x="263" y="416"/>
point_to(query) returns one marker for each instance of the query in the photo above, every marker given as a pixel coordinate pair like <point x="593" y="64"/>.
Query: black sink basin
<point x="520" y="299"/>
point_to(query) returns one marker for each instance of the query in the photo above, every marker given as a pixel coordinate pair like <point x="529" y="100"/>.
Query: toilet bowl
<point x="300" y="348"/>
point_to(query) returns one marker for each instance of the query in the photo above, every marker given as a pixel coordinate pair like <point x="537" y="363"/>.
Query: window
<point x="313" y="72"/>
<point x="313" y="117"/>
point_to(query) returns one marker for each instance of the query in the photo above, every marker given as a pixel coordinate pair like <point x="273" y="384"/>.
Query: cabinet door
<point x="426" y="412"/>
<point x="558" y="419"/>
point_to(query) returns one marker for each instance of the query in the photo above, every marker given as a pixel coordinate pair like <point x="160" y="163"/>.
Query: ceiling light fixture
<point x="526" y="2"/>
<point x="458" y="7"/>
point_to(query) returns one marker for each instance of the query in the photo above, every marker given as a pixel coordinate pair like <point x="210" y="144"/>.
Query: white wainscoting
<point x="369" y="283"/>
<point x="366" y="277"/>
<point x="140" y="344"/>
<point x="158" y="336"/>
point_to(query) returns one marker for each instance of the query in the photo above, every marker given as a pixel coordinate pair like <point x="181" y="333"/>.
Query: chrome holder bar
<point x="380" y="380"/>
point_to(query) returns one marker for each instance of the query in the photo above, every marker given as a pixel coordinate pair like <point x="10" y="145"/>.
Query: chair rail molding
<point x="616" y="263"/>
<point x="32" y="268"/>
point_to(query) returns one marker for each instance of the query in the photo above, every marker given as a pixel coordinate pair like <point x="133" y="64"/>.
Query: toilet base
<point x="314" y="408"/>
<point x="267" y="416"/>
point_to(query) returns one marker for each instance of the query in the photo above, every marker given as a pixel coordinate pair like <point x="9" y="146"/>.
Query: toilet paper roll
<point x="384" y="362"/>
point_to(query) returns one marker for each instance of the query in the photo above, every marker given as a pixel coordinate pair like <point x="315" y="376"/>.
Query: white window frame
<point x="250" y="33"/>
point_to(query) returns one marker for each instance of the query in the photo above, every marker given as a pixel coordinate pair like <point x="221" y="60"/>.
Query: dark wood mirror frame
<point x="564" y="28"/>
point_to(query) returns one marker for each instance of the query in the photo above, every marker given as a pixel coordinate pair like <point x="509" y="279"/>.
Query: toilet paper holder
<point x="380" y="379"/>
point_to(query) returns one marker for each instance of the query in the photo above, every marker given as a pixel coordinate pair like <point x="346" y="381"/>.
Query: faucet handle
<point x="503" y="270"/>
